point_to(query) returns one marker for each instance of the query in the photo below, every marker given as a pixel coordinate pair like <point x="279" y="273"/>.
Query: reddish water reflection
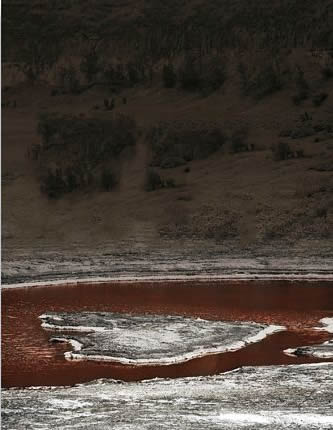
<point x="28" y="358"/>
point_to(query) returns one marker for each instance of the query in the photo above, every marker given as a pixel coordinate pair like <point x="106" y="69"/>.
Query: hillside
<point x="156" y="121"/>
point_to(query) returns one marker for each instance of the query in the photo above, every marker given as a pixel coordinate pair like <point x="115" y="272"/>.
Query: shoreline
<point x="236" y="277"/>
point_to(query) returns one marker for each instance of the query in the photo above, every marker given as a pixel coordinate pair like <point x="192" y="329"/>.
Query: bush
<point x="301" y="82"/>
<point x="263" y="82"/>
<point x="172" y="147"/>
<point x="68" y="80"/>
<point x="327" y="72"/>
<point x="170" y="183"/>
<point x="134" y="75"/>
<point x="300" y="97"/>
<point x="53" y="184"/>
<point x="239" y="140"/>
<point x="108" y="180"/>
<point x="302" y="132"/>
<point x="302" y="87"/>
<point x="169" y="76"/>
<point x="319" y="99"/>
<point x="189" y="76"/>
<point x="79" y="146"/>
<point x="90" y="66"/>
<point x="281" y="151"/>
<point x="213" y="75"/>
<point x="153" y="180"/>
<point x="71" y="180"/>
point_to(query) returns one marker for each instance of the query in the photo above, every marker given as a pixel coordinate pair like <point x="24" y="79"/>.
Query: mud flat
<point x="171" y="260"/>
<point x="273" y="397"/>
<point x="149" y="339"/>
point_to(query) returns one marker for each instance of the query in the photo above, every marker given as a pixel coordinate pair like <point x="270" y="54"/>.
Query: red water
<point x="29" y="359"/>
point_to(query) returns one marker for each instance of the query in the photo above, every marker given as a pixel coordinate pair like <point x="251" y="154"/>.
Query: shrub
<point x="71" y="180"/>
<point x="301" y="82"/>
<point x="108" y="180"/>
<point x="169" y="76"/>
<point x="172" y="147"/>
<point x="79" y="146"/>
<point x="189" y="75"/>
<point x="327" y="72"/>
<point x="264" y="81"/>
<point x="134" y="76"/>
<point x="153" y="180"/>
<point x="321" y="212"/>
<point x="302" y="132"/>
<point x="300" y="97"/>
<point x="319" y="99"/>
<point x="90" y="66"/>
<point x="302" y="87"/>
<point x="53" y="184"/>
<point x="281" y="151"/>
<point x="69" y="80"/>
<point x="170" y="183"/>
<point x="213" y="75"/>
<point x="239" y="140"/>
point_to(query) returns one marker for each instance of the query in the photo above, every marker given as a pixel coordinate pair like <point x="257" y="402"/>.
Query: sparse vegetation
<point x="239" y="141"/>
<point x="281" y="151"/>
<point x="319" y="99"/>
<point x="108" y="180"/>
<point x="327" y="71"/>
<point x="189" y="75"/>
<point x="80" y="147"/>
<point x="262" y="81"/>
<point x="153" y="180"/>
<point x="302" y="87"/>
<point x="173" y="146"/>
<point x="90" y="65"/>
<point x="68" y="80"/>
<point x="169" y="76"/>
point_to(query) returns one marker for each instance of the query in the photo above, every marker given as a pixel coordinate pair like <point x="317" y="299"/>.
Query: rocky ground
<point x="275" y="397"/>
